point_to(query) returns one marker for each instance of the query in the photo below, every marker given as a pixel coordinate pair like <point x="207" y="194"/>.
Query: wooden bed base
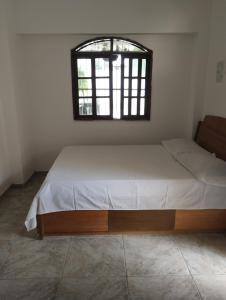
<point x="211" y="135"/>
<point x="93" y="222"/>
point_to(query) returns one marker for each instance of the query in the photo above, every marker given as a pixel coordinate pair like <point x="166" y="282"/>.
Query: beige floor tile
<point x="95" y="256"/>
<point x="162" y="288"/>
<point x="212" y="287"/>
<point x="35" y="259"/>
<point x="149" y="255"/>
<point x="204" y="253"/>
<point x="94" y="288"/>
<point x="28" y="289"/>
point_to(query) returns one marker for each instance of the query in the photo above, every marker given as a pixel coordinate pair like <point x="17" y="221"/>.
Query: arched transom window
<point x="111" y="79"/>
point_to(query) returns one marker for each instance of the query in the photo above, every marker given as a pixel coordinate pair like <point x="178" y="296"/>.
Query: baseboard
<point x="22" y="184"/>
<point x="4" y="188"/>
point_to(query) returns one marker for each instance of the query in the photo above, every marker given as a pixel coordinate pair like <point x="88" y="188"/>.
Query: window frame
<point x="147" y="54"/>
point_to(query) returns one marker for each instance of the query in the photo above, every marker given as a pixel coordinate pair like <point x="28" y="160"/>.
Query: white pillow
<point x="215" y="174"/>
<point x="206" y="168"/>
<point x="177" y="146"/>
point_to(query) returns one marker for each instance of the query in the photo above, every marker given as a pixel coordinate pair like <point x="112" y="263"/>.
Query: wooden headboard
<point x="211" y="135"/>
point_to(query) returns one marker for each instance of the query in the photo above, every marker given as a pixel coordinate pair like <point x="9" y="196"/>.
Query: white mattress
<point x="121" y="178"/>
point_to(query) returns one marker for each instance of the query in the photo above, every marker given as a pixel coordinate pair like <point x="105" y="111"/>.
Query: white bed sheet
<point x="121" y="178"/>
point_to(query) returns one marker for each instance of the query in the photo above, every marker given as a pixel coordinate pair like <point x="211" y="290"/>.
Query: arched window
<point x="111" y="79"/>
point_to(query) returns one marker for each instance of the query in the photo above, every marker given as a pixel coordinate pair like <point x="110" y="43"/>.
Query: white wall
<point x="48" y="86"/>
<point x="13" y="162"/>
<point x="42" y="32"/>
<point x="105" y="16"/>
<point x="46" y="68"/>
<point x="216" y="92"/>
<point x="5" y="175"/>
<point x="10" y="167"/>
<point x="23" y="109"/>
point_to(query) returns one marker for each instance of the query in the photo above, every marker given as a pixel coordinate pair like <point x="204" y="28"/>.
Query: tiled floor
<point x="104" y="267"/>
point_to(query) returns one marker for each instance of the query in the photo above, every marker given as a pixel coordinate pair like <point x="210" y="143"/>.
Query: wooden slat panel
<point x="218" y="124"/>
<point x="143" y="220"/>
<point x="75" y="222"/>
<point x="40" y="226"/>
<point x="212" y="141"/>
<point x="211" y="135"/>
<point x="200" y="220"/>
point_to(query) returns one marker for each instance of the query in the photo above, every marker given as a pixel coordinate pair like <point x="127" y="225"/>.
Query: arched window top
<point x="111" y="44"/>
<point x="111" y="80"/>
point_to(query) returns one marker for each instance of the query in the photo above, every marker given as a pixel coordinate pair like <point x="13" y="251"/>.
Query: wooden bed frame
<point x="211" y="135"/>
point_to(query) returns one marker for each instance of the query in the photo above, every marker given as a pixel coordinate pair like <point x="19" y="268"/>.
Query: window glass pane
<point x="135" y="68"/>
<point x="102" y="93"/>
<point x="134" y="84"/>
<point x="85" y="106"/>
<point x="98" y="46"/>
<point x="84" y="84"/>
<point x="125" y="46"/>
<point x="134" y="92"/>
<point x="103" y="106"/>
<point x="116" y="104"/>
<point x="134" y="106"/>
<point x="117" y="73"/>
<point x="125" y="106"/>
<point x="102" y="67"/>
<point x="126" y="84"/>
<point x="143" y="72"/>
<point x="126" y="67"/>
<point x="111" y="81"/>
<point x="102" y="83"/>
<point x="84" y="67"/>
<point x="85" y="93"/>
<point x="143" y="84"/>
<point x="142" y="106"/>
<point x="142" y="93"/>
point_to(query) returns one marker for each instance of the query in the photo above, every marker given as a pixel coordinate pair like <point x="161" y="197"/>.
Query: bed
<point x="112" y="189"/>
